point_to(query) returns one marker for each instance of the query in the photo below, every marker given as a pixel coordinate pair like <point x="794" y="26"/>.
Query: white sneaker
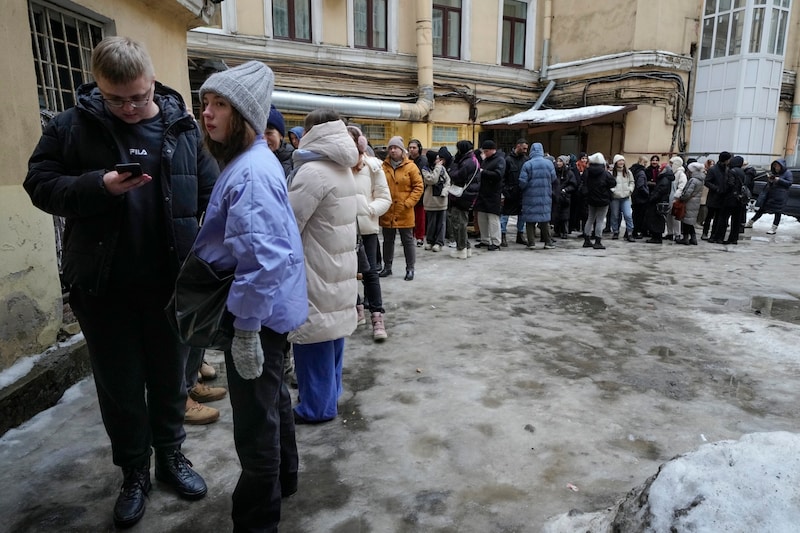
<point x="469" y="252"/>
<point x="426" y="247"/>
<point x="459" y="254"/>
<point x="436" y="248"/>
<point x="749" y="224"/>
<point x="452" y="244"/>
<point x="773" y="230"/>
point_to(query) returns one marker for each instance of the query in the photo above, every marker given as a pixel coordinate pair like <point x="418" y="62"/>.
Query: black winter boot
<point x="521" y="238"/>
<point x="129" y="507"/>
<point x="503" y="241"/>
<point x="598" y="245"/>
<point x="587" y="243"/>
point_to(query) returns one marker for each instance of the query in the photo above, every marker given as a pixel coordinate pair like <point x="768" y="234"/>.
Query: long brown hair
<point x="240" y="138"/>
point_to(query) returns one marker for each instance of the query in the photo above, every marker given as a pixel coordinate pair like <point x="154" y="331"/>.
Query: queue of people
<point x="297" y="223"/>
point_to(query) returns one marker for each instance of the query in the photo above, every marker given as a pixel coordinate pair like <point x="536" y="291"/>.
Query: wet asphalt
<point x="514" y="386"/>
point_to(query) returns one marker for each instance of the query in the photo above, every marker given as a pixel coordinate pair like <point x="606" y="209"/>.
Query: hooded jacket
<point x="598" y="183"/>
<point x="65" y="176"/>
<point x="776" y="193"/>
<point x="322" y="192"/>
<point x="284" y="155"/>
<point x="641" y="192"/>
<point x="680" y="177"/>
<point x="692" y="192"/>
<point x="512" y="198"/>
<point x="371" y="185"/>
<point x="465" y="169"/>
<point x="250" y="228"/>
<point x="405" y="188"/>
<point x="536" y="185"/>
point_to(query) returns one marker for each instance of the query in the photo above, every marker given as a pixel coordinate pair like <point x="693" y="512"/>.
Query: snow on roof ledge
<point x="547" y="116"/>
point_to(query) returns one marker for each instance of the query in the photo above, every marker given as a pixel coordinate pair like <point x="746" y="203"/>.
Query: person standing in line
<point x="621" y="199"/>
<point x="322" y="192"/>
<point x="578" y="211"/>
<point x="674" y="226"/>
<point x="774" y="196"/>
<point x="406" y="188"/>
<point x="274" y="134"/>
<point x="373" y="201"/>
<point x="536" y="186"/>
<point x="489" y="203"/>
<point x="295" y="134"/>
<point x="658" y="204"/>
<point x="416" y="154"/>
<point x="597" y="186"/>
<point x="690" y="195"/>
<point x="512" y="199"/>
<point x="639" y="198"/>
<point x="732" y="204"/>
<point x="464" y="172"/>
<point x="715" y="181"/>
<point x="564" y="188"/>
<point x="437" y="182"/>
<point x="250" y="229"/>
<point x="127" y="234"/>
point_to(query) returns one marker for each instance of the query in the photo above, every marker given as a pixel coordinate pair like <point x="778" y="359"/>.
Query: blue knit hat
<point x="275" y="121"/>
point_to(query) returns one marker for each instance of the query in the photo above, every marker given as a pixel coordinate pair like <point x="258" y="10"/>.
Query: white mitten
<point x="247" y="354"/>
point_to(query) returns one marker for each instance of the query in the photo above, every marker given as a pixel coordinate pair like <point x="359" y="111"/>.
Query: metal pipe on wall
<point x="368" y="108"/>
<point x="548" y="23"/>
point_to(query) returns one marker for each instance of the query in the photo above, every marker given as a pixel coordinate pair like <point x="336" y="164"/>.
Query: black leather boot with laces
<point x="174" y="469"/>
<point x="129" y="508"/>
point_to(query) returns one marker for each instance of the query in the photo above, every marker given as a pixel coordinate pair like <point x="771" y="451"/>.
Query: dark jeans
<point x="436" y="225"/>
<point x="409" y="248"/>
<point x="371" y="281"/>
<point x="138" y="370"/>
<point x="729" y="216"/>
<point x="712" y="213"/>
<point x="263" y="432"/>
<point x="458" y="222"/>
<point x="372" y="247"/>
<point x="639" y="216"/>
<point x="776" y="218"/>
<point x="193" y="364"/>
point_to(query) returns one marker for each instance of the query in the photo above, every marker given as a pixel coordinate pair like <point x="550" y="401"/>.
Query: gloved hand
<point x="247" y="354"/>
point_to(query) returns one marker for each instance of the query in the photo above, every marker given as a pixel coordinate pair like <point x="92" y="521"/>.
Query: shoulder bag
<point x="457" y="191"/>
<point x="197" y="309"/>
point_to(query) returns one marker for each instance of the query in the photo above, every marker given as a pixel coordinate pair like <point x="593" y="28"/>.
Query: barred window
<point x="62" y="49"/>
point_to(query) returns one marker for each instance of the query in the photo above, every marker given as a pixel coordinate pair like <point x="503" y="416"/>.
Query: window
<point x="777" y="27"/>
<point x="723" y="25"/>
<point x="62" y="50"/>
<point x="447" y="28"/>
<point x="756" y="29"/>
<point x="375" y="133"/>
<point x="370" y="24"/>
<point x="291" y="20"/>
<point x="514" y="18"/>
<point x="445" y="136"/>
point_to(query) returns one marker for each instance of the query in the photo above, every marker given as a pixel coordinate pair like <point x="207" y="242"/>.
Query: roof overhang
<point x="540" y="120"/>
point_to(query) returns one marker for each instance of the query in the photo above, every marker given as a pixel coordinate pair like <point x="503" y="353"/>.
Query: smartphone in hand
<point x="134" y="168"/>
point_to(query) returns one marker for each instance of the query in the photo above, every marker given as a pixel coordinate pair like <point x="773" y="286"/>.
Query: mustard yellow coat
<point x="406" y="187"/>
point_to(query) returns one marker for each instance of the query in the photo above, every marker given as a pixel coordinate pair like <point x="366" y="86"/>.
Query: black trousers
<point x="138" y="369"/>
<point x="373" y="299"/>
<point x="263" y="432"/>
<point x="730" y="217"/>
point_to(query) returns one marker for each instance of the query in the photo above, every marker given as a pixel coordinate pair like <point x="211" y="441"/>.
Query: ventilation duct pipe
<point x="368" y="108"/>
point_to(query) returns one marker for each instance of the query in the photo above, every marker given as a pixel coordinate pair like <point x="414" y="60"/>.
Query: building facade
<point x="492" y="59"/>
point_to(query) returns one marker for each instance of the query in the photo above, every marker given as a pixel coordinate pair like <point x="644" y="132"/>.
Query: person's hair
<point x="320" y="116"/>
<point x="417" y="142"/>
<point x="240" y="137"/>
<point x="654" y="158"/>
<point x="120" y="60"/>
<point x="624" y="167"/>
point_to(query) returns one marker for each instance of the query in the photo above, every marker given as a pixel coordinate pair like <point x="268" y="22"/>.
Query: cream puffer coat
<point x="373" y="190"/>
<point x="322" y="193"/>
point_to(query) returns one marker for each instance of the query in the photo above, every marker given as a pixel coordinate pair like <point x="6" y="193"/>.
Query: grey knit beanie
<point x="396" y="141"/>
<point x="248" y="88"/>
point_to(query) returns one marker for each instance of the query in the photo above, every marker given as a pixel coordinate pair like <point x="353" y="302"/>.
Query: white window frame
<point x="530" y="32"/>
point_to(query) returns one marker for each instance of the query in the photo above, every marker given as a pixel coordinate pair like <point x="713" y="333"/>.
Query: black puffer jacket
<point x="493" y="169"/>
<point x="465" y="169"/>
<point x="65" y="176"/>
<point x="284" y="155"/>
<point x="512" y="202"/>
<point x="597" y="185"/>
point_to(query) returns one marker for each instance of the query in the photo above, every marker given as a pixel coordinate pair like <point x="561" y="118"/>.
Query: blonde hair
<point x="120" y="60"/>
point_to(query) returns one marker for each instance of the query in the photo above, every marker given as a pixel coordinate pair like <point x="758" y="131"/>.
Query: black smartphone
<point x="134" y="168"/>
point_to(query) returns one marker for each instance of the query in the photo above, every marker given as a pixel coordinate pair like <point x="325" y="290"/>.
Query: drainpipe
<point x="548" y="22"/>
<point x="368" y="108"/>
<point x="794" y="122"/>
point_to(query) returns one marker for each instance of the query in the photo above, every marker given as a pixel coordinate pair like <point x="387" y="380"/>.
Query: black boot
<point x="587" y="243"/>
<point x="387" y="271"/>
<point x="175" y="470"/>
<point x="503" y="241"/>
<point x="129" y="508"/>
<point x="598" y="245"/>
<point x="629" y="237"/>
<point x="521" y="238"/>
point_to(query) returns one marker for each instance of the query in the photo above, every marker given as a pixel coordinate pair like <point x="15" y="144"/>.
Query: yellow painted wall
<point x="250" y="17"/>
<point x="334" y="29"/>
<point x="483" y="46"/>
<point x="30" y="292"/>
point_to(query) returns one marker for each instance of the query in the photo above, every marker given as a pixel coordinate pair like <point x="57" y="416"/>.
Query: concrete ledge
<point x="42" y="387"/>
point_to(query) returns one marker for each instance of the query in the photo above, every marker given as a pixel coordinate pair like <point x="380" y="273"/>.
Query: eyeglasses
<point x="137" y="103"/>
